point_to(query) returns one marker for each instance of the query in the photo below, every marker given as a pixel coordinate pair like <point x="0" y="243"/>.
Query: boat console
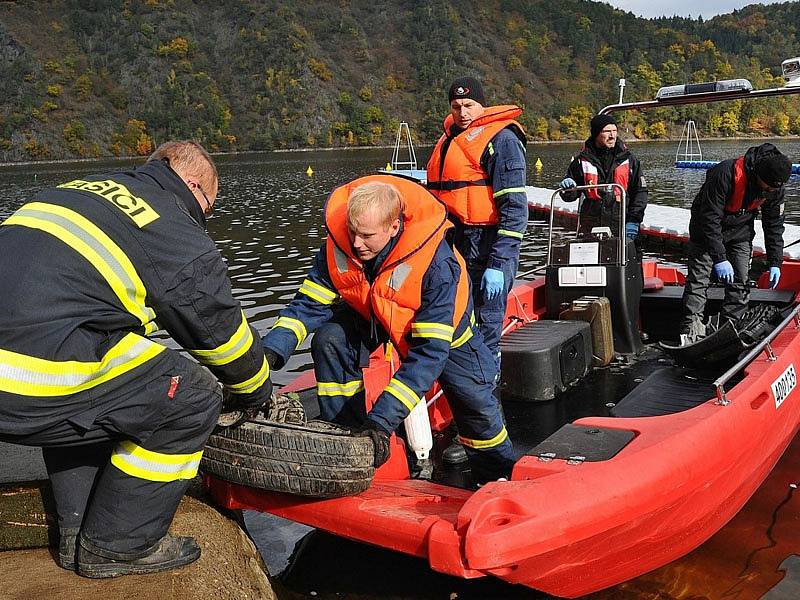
<point x="601" y="265"/>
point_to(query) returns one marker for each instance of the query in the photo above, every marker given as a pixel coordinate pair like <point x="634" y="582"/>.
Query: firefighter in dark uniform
<point x="721" y="231"/>
<point x="477" y="169"/>
<point x="604" y="158"/>
<point x="90" y="269"/>
<point x="387" y="273"/>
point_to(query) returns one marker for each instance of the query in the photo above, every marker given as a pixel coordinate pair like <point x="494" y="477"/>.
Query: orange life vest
<point x="733" y="205"/>
<point x="395" y="295"/>
<point x="591" y="177"/>
<point x="461" y="183"/>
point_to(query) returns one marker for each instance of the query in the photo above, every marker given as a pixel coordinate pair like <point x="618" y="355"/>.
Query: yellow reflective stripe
<point x="499" y="193"/>
<point x="319" y="293"/>
<point x="463" y="338"/>
<point x="509" y="233"/>
<point x="402" y="392"/>
<point x="30" y="376"/>
<point x="238" y="345"/>
<point x="154" y="466"/>
<point x="484" y="444"/>
<point x="95" y="246"/>
<point x="293" y="325"/>
<point x="334" y="388"/>
<point x="253" y="383"/>
<point x="432" y="330"/>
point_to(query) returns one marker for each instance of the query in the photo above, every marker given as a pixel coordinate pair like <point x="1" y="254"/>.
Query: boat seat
<point x="666" y="391"/>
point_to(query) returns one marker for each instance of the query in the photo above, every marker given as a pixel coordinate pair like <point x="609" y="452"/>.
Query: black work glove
<point x="273" y="359"/>
<point x="380" y="440"/>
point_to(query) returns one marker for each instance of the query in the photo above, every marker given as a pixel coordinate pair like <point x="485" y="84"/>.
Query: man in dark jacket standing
<point x="89" y="267"/>
<point x="605" y="159"/>
<point x="721" y="231"/>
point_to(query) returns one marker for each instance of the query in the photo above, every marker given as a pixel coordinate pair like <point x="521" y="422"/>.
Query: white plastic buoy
<point x="309" y="171"/>
<point x="418" y="430"/>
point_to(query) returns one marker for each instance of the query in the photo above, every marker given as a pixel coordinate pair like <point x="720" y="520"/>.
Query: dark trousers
<point x="339" y="349"/>
<point x="475" y="244"/>
<point x="698" y="277"/>
<point x="490" y="314"/>
<point x="120" y="481"/>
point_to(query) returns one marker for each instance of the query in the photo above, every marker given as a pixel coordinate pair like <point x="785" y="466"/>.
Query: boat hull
<point x="572" y="529"/>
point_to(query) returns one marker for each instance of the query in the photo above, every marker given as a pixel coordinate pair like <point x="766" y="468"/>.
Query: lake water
<point x="268" y="225"/>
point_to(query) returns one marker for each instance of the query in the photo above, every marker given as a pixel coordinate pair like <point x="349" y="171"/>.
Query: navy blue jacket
<point x="426" y="356"/>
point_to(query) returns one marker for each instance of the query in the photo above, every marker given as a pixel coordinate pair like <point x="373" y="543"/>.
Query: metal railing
<point x="700" y="99"/>
<point x="622" y="212"/>
<point x="722" y="399"/>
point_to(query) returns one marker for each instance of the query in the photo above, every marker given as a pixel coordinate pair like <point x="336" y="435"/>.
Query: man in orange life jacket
<point x="721" y="231"/>
<point x="605" y="159"/>
<point x="478" y="170"/>
<point x="91" y="268"/>
<point x="387" y="273"/>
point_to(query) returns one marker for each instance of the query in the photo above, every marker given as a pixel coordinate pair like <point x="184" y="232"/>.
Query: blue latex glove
<point x="631" y="230"/>
<point x="724" y="271"/>
<point x="492" y="283"/>
<point x="567" y="182"/>
<point x="774" y="277"/>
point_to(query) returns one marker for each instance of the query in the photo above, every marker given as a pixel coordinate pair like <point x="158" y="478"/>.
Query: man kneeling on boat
<point x="721" y="232"/>
<point x="388" y="275"/>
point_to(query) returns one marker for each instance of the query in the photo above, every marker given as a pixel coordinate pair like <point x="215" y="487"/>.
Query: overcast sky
<point x="683" y="8"/>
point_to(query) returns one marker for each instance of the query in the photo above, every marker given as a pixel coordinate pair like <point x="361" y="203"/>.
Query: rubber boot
<point x="170" y="552"/>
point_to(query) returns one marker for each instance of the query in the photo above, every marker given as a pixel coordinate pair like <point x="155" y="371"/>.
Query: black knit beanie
<point x="599" y="123"/>
<point x="774" y="169"/>
<point x="466" y="87"/>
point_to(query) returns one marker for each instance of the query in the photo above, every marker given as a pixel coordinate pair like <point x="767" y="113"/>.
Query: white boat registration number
<point x="783" y="385"/>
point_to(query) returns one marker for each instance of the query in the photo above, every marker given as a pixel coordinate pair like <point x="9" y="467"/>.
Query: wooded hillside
<point x="116" y="77"/>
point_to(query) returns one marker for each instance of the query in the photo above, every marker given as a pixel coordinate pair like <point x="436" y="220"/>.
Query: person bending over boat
<point x="604" y="158"/>
<point x="387" y="274"/>
<point x="721" y="232"/>
<point x="89" y="267"/>
<point x="478" y="170"/>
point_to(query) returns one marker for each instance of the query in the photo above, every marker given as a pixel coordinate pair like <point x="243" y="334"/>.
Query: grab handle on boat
<point x="622" y="211"/>
<point x="763" y="345"/>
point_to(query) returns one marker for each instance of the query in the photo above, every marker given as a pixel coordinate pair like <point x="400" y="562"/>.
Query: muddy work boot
<point x="454" y="454"/>
<point x="66" y="549"/>
<point x="171" y="552"/>
<point x="692" y="332"/>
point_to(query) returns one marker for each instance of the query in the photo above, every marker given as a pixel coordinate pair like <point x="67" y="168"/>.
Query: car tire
<point x="318" y="460"/>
